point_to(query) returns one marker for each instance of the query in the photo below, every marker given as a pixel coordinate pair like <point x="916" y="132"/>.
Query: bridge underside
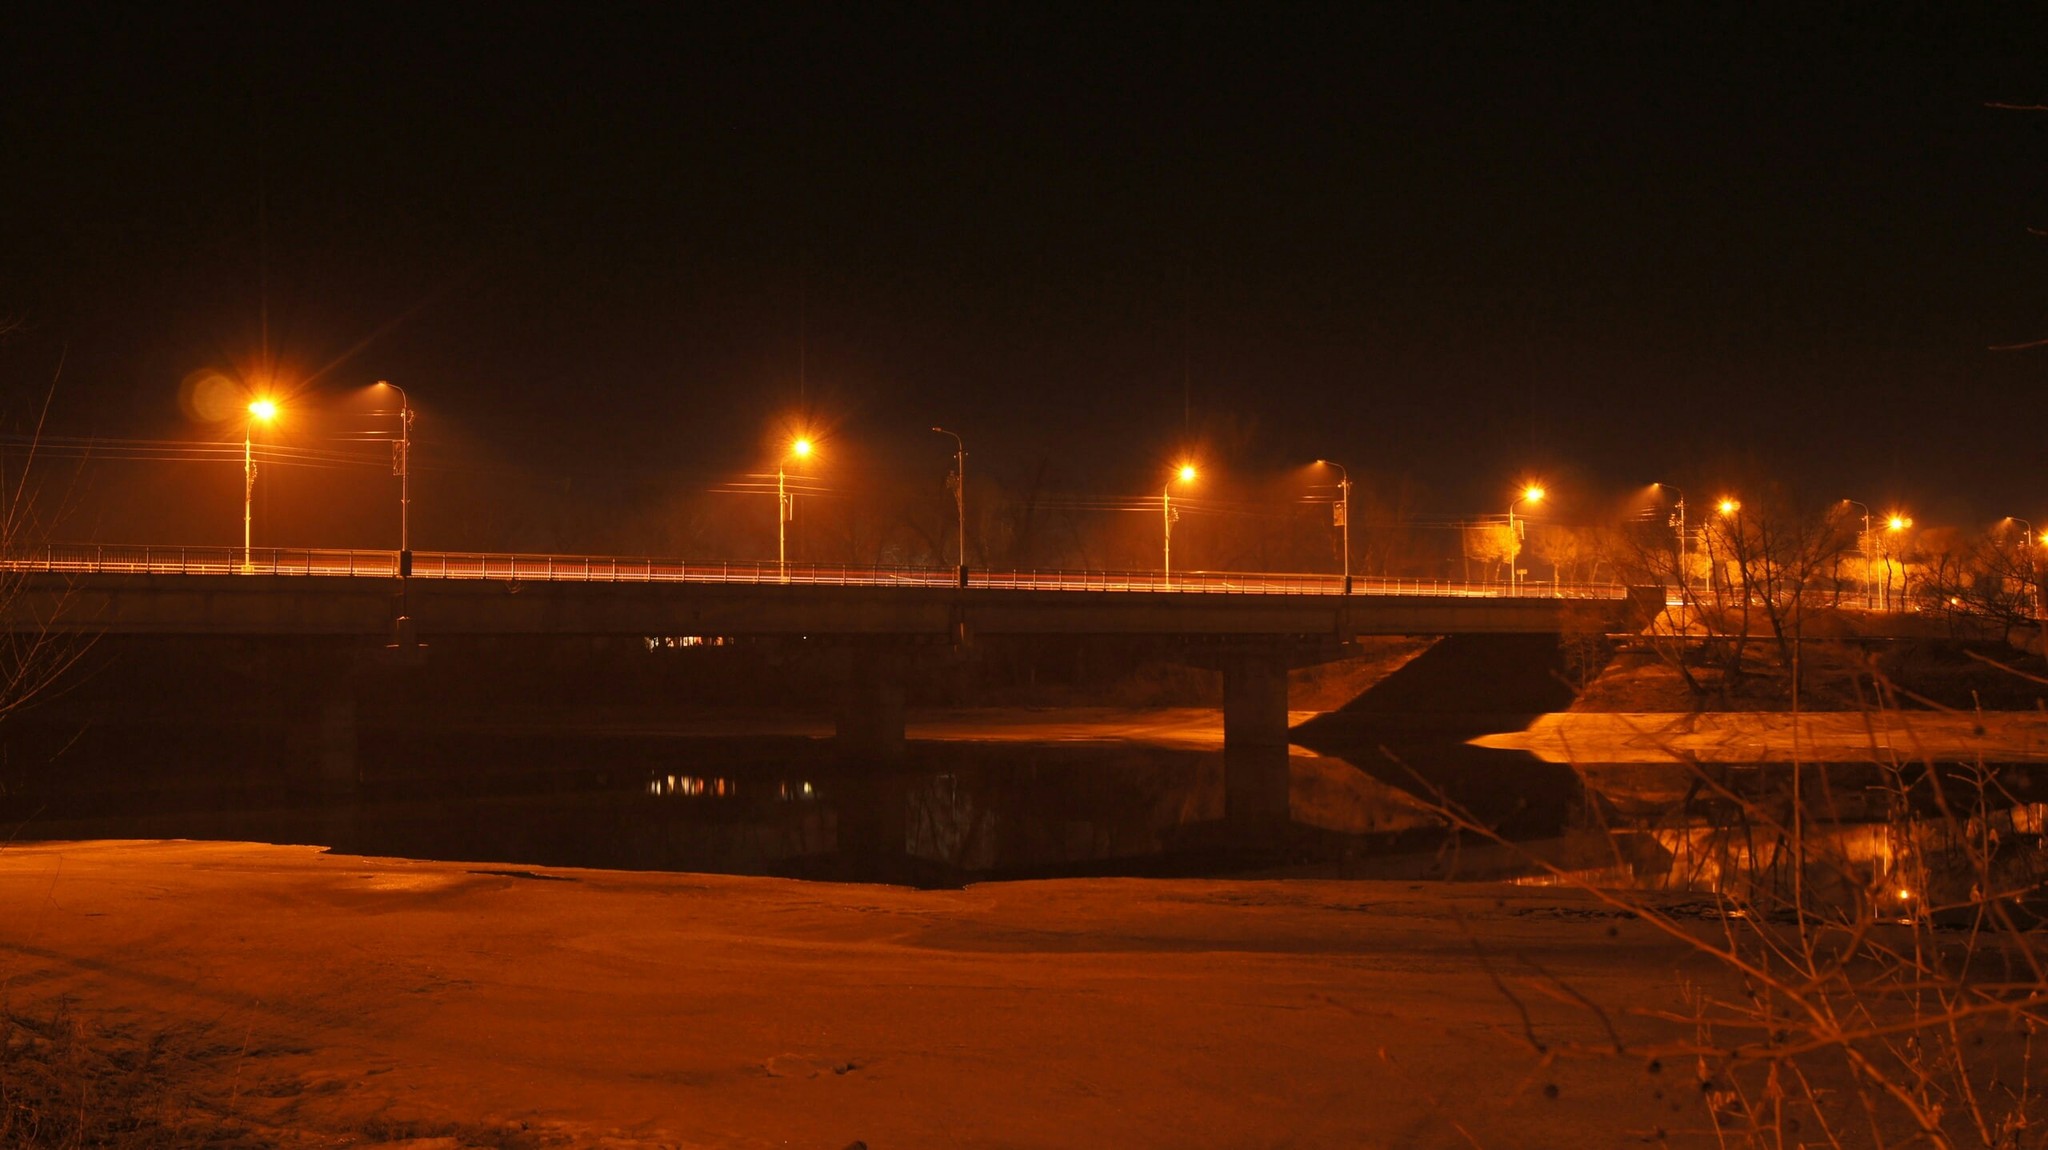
<point x="875" y="634"/>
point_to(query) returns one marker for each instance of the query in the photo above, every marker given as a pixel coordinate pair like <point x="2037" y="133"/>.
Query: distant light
<point x="1904" y="893"/>
<point x="1898" y="523"/>
<point x="1730" y="506"/>
<point x="264" y="410"/>
<point x="800" y="448"/>
<point x="1187" y="473"/>
<point x="1532" y="494"/>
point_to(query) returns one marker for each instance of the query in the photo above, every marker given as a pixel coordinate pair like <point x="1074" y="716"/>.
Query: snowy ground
<point x="1760" y="736"/>
<point x="329" y="999"/>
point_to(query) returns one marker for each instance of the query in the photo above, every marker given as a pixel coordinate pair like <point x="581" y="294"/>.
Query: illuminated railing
<point x="96" y="559"/>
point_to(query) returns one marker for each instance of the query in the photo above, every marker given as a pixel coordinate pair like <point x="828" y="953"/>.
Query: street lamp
<point x="2033" y="576"/>
<point x="1730" y="508"/>
<point x="1343" y="510"/>
<point x="959" y="485"/>
<point x="1894" y="523"/>
<point x="1532" y="494"/>
<point x="1863" y="548"/>
<point x="1678" y="521"/>
<point x="401" y="463"/>
<point x="260" y="411"/>
<point x="1186" y="474"/>
<point x="800" y="449"/>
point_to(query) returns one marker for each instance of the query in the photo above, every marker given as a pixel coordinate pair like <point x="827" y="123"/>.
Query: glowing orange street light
<point x="1728" y="506"/>
<point x="260" y="411"/>
<point x="799" y="449"/>
<point x="1186" y="474"/>
<point x="1893" y="523"/>
<point x="1531" y="494"/>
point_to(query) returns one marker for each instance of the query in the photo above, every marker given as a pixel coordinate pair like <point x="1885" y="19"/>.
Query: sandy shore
<point x="326" y="999"/>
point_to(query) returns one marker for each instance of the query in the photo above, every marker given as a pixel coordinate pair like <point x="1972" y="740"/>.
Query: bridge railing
<point x="159" y="560"/>
<point x="117" y="559"/>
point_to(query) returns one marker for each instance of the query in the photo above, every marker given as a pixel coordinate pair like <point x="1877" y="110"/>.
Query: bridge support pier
<point x="334" y="748"/>
<point x="312" y="695"/>
<point x="1255" y="774"/>
<point x="867" y="716"/>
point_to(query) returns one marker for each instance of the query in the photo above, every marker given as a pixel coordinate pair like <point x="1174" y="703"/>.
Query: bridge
<point x="1250" y="626"/>
<point x="222" y="590"/>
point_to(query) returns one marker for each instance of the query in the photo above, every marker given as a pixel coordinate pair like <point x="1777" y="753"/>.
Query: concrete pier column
<point x="308" y="694"/>
<point x="867" y="717"/>
<point x="1255" y="776"/>
<point x="335" y="746"/>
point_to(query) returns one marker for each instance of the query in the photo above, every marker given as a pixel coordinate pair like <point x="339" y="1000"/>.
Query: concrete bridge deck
<point x="109" y="590"/>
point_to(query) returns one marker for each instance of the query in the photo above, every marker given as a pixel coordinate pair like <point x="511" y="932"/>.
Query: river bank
<point x="303" y="998"/>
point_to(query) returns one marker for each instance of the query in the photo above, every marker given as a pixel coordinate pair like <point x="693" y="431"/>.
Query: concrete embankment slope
<point x="1415" y="729"/>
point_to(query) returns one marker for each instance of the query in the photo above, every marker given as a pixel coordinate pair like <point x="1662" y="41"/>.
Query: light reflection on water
<point x="719" y="787"/>
<point x="1892" y="870"/>
<point x="1001" y="810"/>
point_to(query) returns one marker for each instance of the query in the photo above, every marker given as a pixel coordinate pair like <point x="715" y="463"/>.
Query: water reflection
<point x="1942" y="866"/>
<point x="967" y="811"/>
<point x="719" y="787"/>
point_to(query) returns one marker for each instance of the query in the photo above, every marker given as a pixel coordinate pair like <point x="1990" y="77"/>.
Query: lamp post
<point x="263" y="411"/>
<point x="401" y="463"/>
<point x="800" y="449"/>
<point x="2040" y="574"/>
<point x="1863" y="549"/>
<point x="1731" y="508"/>
<point x="1531" y="494"/>
<point x="1186" y="474"/>
<point x="1678" y="521"/>
<point x="1895" y="523"/>
<point x="2034" y="576"/>
<point x="1343" y="515"/>
<point x="959" y="485"/>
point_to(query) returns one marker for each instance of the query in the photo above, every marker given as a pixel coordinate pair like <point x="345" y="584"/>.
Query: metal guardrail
<point x="153" y="560"/>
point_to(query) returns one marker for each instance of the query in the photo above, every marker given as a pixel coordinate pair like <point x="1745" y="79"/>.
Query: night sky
<point x="608" y="246"/>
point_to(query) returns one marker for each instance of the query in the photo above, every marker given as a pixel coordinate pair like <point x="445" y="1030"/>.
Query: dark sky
<point x="1462" y="243"/>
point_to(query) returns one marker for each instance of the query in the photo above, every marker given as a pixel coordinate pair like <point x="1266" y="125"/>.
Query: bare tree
<point x="1994" y="576"/>
<point x="33" y="652"/>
